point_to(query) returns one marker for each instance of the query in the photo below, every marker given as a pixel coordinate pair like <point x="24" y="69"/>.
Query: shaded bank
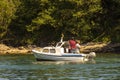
<point x="85" y="48"/>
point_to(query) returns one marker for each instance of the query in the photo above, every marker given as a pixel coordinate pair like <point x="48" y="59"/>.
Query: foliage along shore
<point x="25" y="22"/>
<point x="85" y="48"/>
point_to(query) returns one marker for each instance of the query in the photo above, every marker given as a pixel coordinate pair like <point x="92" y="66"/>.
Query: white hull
<point x="59" y="57"/>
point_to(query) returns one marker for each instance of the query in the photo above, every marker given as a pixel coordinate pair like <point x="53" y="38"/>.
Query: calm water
<point x="25" y="67"/>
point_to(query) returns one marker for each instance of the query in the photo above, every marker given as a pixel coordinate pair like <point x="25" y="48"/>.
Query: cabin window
<point x="45" y="50"/>
<point x="52" y="50"/>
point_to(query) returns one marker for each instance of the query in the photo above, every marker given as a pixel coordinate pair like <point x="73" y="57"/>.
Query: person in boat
<point x="77" y="46"/>
<point x="66" y="47"/>
<point x="72" y="44"/>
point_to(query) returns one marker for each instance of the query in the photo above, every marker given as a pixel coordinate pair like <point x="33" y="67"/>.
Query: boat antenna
<point x="62" y="35"/>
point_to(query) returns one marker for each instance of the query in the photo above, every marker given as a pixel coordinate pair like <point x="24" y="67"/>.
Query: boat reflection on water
<point x="64" y="62"/>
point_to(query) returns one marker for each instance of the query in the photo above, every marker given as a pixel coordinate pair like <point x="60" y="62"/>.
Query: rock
<point x="92" y="47"/>
<point x="3" y="47"/>
<point x="11" y="50"/>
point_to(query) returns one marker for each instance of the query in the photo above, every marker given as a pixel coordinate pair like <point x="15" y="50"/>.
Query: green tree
<point x="37" y="21"/>
<point x="70" y="17"/>
<point x="27" y="10"/>
<point x="111" y="19"/>
<point x="7" y="13"/>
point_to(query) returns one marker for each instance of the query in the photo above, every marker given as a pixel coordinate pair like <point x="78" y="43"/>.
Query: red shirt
<point x="72" y="44"/>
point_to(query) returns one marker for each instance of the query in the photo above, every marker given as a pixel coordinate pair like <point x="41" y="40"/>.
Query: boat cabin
<point x="59" y="48"/>
<point x="55" y="50"/>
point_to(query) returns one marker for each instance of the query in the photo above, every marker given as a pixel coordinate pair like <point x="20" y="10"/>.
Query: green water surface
<point x="24" y="67"/>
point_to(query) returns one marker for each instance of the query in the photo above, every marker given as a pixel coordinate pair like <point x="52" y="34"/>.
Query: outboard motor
<point x="92" y="54"/>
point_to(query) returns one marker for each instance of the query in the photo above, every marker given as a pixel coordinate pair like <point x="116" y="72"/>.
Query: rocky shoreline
<point x="85" y="48"/>
<point x="101" y="47"/>
<point x="4" y="49"/>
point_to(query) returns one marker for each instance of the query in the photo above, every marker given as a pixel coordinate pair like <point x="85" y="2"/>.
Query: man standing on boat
<point x="72" y="43"/>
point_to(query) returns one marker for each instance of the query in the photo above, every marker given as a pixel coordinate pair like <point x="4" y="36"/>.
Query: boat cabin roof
<point x="57" y="49"/>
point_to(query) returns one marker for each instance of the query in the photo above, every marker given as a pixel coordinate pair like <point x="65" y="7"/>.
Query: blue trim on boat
<point x="71" y="56"/>
<point x="62" y="55"/>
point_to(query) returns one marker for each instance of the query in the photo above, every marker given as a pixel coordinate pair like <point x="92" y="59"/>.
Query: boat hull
<point x="59" y="57"/>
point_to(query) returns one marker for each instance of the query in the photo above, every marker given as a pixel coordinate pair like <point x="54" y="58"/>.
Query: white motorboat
<point x="59" y="53"/>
